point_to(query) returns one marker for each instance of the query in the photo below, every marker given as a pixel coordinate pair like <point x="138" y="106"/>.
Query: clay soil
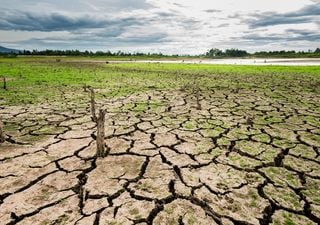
<point x="241" y="158"/>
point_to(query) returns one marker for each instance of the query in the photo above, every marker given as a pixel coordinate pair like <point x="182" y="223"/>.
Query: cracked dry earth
<point x="243" y="158"/>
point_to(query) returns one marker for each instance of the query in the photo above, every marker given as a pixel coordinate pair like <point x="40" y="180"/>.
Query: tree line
<point x="49" y="52"/>
<point x="212" y="53"/>
<point x="217" y="53"/>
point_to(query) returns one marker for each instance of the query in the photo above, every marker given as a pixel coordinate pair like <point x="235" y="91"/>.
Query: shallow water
<point x="261" y="62"/>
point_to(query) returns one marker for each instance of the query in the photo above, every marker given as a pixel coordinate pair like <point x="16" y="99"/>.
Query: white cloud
<point x="179" y="26"/>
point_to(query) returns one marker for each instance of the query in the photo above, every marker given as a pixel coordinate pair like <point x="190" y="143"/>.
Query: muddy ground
<point x="242" y="157"/>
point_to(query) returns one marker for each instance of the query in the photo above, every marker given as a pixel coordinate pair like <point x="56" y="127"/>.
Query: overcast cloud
<point x="167" y="26"/>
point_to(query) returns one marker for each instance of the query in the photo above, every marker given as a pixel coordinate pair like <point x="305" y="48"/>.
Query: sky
<point x="167" y="26"/>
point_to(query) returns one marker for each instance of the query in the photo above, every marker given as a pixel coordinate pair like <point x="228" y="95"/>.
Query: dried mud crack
<point x="216" y="157"/>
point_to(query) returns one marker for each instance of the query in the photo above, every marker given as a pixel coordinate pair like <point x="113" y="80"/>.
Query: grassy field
<point x="31" y="80"/>
<point x="185" y="143"/>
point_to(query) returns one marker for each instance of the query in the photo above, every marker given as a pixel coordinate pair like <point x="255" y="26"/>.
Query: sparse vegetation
<point x="209" y="144"/>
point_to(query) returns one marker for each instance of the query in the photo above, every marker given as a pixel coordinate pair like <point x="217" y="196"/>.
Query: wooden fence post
<point x="101" y="149"/>
<point x="4" y="83"/>
<point x="198" y="99"/>
<point x="2" y="136"/>
<point x="93" y="105"/>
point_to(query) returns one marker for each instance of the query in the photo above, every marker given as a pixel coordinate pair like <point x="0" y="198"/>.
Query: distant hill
<point x="8" y="50"/>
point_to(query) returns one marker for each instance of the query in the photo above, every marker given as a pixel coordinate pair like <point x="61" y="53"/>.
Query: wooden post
<point x="93" y="105"/>
<point x="82" y="196"/>
<point x="4" y="83"/>
<point x="101" y="149"/>
<point x="249" y="120"/>
<point x="2" y="136"/>
<point x="198" y="99"/>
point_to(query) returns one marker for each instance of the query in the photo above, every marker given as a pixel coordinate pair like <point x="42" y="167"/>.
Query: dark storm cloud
<point x="148" y="24"/>
<point x="25" y="21"/>
<point x="84" y="41"/>
<point x="305" y="15"/>
<point x="75" y="5"/>
<point x="291" y="35"/>
<point x="54" y="22"/>
<point x="124" y="36"/>
<point x="300" y="32"/>
<point x="304" y="35"/>
<point x="278" y="20"/>
<point x="150" y="38"/>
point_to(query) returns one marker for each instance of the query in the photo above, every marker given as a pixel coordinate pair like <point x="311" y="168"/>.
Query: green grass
<point x="34" y="79"/>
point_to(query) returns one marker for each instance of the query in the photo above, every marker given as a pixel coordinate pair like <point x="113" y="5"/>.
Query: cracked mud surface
<point x="244" y="158"/>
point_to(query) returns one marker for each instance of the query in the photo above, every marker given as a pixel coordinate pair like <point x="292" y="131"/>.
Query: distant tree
<point x="214" y="52"/>
<point x="235" y="53"/>
<point x="99" y="53"/>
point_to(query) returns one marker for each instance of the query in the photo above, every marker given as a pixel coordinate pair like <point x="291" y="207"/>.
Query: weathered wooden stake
<point x="2" y="136"/>
<point x="93" y="105"/>
<point x="4" y="83"/>
<point x="101" y="149"/>
<point x="198" y="99"/>
<point x="249" y="120"/>
<point x="82" y="196"/>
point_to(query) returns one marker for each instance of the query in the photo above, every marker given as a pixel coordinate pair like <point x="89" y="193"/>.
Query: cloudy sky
<point x="167" y="26"/>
